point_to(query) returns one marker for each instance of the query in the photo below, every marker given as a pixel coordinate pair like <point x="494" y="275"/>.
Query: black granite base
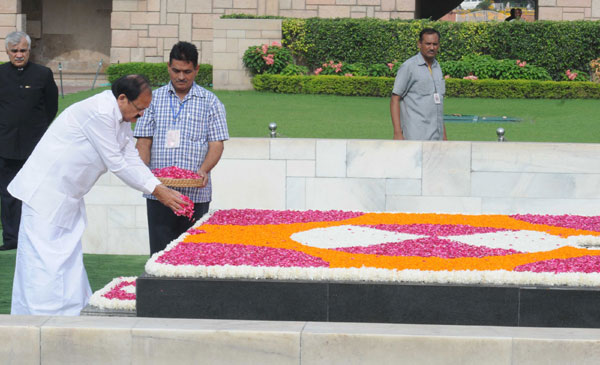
<point x="368" y="302"/>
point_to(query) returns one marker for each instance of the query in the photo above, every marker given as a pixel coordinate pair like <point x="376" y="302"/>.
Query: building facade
<point x="80" y="33"/>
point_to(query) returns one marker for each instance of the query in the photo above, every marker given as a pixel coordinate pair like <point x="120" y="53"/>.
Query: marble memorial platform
<point x="371" y="176"/>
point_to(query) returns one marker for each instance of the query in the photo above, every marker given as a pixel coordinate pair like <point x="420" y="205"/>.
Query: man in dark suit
<point x="28" y="104"/>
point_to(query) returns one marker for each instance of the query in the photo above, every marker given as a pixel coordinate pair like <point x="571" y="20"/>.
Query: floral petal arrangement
<point x="176" y="177"/>
<point x="119" y="294"/>
<point x="387" y="247"/>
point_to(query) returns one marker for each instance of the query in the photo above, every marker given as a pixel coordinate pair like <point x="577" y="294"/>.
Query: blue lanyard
<point x="176" y="115"/>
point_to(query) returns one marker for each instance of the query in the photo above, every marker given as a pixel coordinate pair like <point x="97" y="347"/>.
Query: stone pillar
<point x="231" y="38"/>
<point x="11" y="19"/>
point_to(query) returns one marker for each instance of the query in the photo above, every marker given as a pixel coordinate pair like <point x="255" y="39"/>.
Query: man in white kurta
<point x="87" y="139"/>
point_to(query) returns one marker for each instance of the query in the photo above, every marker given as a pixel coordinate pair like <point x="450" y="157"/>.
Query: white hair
<point x="15" y="38"/>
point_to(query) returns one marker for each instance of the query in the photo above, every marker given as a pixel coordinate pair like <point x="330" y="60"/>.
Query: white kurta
<point x="85" y="141"/>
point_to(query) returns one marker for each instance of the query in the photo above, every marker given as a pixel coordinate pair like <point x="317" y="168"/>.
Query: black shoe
<point x="7" y="248"/>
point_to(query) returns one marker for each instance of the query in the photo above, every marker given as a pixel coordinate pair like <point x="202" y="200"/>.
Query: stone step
<point x="43" y="339"/>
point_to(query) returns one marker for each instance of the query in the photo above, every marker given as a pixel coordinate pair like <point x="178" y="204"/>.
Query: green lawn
<point x="348" y="117"/>
<point x="328" y="116"/>
<point x="100" y="269"/>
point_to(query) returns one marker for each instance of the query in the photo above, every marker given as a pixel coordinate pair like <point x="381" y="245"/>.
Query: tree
<point x="484" y="5"/>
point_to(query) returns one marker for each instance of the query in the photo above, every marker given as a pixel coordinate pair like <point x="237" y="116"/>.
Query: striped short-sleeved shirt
<point x="200" y="118"/>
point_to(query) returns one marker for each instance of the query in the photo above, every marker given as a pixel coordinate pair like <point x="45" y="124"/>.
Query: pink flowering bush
<point x="575" y="75"/>
<point x="342" y="69"/>
<point x="266" y="59"/>
<point x="330" y="68"/>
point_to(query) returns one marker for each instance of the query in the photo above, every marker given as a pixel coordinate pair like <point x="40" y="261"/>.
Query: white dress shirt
<point x="85" y="141"/>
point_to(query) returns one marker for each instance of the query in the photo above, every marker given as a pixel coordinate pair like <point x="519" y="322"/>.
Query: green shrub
<point x="270" y="59"/>
<point x="379" y="70"/>
<point x="291" y="70"/>
<point x="294" y="38"/>
<point x="382" y="86"/>
<point x="522" y="89"/>
<point x="485" y="67"/>
<point x="204" y="77"/>
<point x="553" y="45"/>
<point x="355" y="69"/>
<point x="156" y="73"/>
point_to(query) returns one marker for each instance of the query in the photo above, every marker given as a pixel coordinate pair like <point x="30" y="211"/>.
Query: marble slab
<point x="536" y="157"/>
<point x="177" y="341"/>
<point x="295" y="193"/>
<point x="331" y="158"/>
<point x="393" y="344"/>
<point x="446" y="169"/>
<point x="531" y="185"/>
<point x="246" y="148"/>
<point x="384" y="159"/>
<point x="305" y="168"/>
<point x="402" y="187"/>
<point x="433" y="204"/>
<point x="21" y="339"/>
<point x="540" y="206"/>
<point x="292" y="149"/>
<point x="77" y="334"/>
<point x="345" y="194"/>
<point x="258" y="184"/>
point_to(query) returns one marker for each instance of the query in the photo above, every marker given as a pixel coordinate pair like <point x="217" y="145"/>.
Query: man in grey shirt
<point x="417" y="103"/>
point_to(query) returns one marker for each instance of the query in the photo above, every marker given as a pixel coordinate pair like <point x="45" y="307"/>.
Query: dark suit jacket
<point x="28" y="104"/>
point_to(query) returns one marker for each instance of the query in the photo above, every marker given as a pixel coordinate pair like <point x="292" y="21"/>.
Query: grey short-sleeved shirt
<point x="421" y="118"/>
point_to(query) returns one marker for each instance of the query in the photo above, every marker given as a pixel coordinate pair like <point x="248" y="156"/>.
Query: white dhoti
<point x="50" y="278"/>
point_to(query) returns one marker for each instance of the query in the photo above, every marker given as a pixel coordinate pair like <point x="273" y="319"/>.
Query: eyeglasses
<point x="137" y="107"/>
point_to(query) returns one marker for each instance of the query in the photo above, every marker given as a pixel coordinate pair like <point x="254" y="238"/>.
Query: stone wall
<point x="79" y="43"/>
<point x="369" y="175"/>
<point x="231" y="38"/>
<point x="11" y="19"/>
<point x="145" y="31"/>
<point x="569" y="9"/>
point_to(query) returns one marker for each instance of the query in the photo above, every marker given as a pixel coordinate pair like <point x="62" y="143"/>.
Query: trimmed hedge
<point x="355" y="86"/>
<point x="553" y="45"/>
<point x="156" y="73"/>
<point x="382" y="86"/>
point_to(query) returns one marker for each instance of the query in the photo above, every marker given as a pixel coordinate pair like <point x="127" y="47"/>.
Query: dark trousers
<point x="10" y="207"/>
<point x="164" y="226"/>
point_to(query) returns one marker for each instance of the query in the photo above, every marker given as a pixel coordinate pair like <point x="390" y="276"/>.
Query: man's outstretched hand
<point x="169" y="197"/>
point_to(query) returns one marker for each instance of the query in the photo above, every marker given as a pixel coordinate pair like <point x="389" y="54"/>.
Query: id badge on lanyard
<point x="173" y="138"/>
<point x="436" y="96"/>
<point x="174" y="135"/>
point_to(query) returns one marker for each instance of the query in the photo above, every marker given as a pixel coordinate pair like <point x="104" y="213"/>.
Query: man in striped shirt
<point x="185" y="126"/>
